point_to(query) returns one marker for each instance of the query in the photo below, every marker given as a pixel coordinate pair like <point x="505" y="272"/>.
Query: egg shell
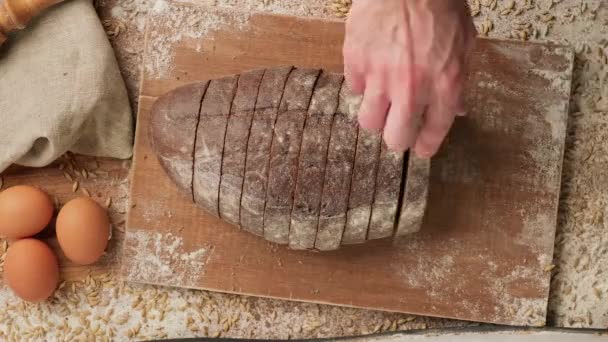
<point x="31" y="270"/>
<point x="83" y="230"/>
<point x="24" y="211"/>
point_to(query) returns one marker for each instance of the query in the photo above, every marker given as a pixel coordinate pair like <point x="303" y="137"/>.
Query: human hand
<point x="407" y="58"/>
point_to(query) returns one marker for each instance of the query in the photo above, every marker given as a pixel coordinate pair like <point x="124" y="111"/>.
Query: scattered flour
<point x="187" y="22"/>
<point x="118" y="12"/>
<point x="160" y="6"/>
<point x="157" y="258"/>
<point x="509" y="304"/>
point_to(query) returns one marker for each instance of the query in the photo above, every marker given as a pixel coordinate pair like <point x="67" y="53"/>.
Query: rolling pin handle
<point x="16" y="14"/>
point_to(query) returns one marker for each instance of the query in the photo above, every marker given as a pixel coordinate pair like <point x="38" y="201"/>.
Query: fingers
<point x="436" y="126"/>
<point x="402" y="125"/>
<point x="449" y="88"/>
<point x="440" y="115"/>
<point x="409" y="97"/>
<point x="372" y="113"/>
<point x="403" y="119"/>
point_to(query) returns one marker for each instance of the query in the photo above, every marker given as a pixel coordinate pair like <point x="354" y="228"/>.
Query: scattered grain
<point x="68" y="176"/>
<point x="85" y="192"/>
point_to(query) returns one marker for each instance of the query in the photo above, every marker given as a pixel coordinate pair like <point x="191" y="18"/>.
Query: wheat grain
<point x="86" y="192"/>
<point x="68" y="176"/>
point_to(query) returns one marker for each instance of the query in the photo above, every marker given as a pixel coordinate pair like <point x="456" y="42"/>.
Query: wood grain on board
<point x="488" y="232"/>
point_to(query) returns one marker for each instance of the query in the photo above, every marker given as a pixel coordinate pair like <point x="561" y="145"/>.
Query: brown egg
<point x="83" y="230"/>
<point x="31" y="270"/>
<point x="24" y="211"/>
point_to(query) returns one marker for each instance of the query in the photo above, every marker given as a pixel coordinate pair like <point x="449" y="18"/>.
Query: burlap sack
<point x="61" y="90"/>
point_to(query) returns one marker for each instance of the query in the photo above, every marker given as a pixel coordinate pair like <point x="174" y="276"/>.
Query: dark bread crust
<point x="338" y="173"/>
<point x="211" y="131"/>
<point x="313" y="157"/>
<point x="363" y="187"/>
<point x="235" y="146"/>
<point x="285" y="152"/>
<point x="386" y="199"/>
<point x="414" y="196"/>
<point x="253" y="198"/>
<point x="173" y="121"/>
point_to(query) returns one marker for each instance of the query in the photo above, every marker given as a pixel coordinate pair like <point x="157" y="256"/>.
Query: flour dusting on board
<point x="186" y="22"/>
<point x="555" y="116"/>
<point x="535" y="224"/>
<point x="158" y="258"/>
<point x="433" y="275"/>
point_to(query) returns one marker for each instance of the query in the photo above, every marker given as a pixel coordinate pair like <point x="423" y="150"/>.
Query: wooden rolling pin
<point x="16" y="14"/>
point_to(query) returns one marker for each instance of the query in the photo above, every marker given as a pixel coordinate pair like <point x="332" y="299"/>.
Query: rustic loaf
<point x="279" y="153"/>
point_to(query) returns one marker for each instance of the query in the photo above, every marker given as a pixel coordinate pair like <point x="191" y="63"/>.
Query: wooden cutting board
<point x="487" y="241"/>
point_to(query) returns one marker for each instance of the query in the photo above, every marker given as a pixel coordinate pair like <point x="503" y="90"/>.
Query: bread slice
<point x="253" y="198"/>
<point x="363" y="187"/>
<point x="338" y="172"/>
<point x="235" y="146"/>
<point x="313" y="157"/>
<point x="414" y="196"/>
<point x="386" y="198"/>
<point x="174" y="117"/>
<point x="210" y="134"/>
<point x="285" y="151"/>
